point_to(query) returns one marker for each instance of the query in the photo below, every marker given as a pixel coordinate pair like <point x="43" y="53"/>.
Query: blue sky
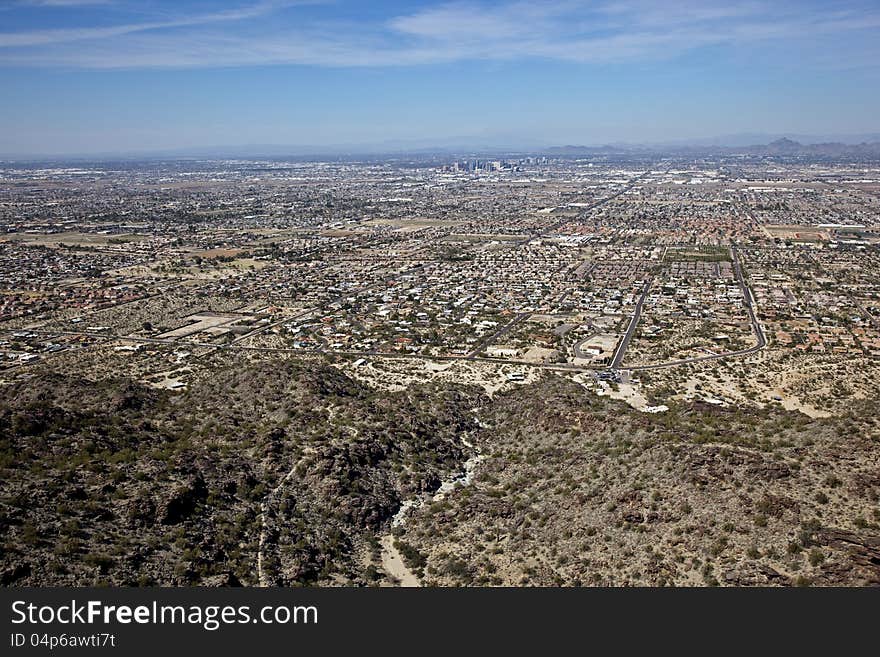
<point x="82" y="76"/>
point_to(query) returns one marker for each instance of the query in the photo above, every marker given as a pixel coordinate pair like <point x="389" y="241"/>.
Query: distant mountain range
<point x="841" y="146"/>
<point x="789" y="147"/>
<point x="780" y="147"/>
<point x="752" y="138"/>
<point x="861" y="145"/>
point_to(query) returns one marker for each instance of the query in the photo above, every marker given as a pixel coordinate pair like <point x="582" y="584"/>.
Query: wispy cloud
<point x="97" y="34"/>
<point x="49" y="5"/>
<point x="63" y="3"/>
<point x="569" y="30"/>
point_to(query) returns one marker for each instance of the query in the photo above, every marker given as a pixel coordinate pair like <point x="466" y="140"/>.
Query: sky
<point x="118" y="76"/>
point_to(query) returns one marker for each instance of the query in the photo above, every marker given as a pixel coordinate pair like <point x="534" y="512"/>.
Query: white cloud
<point x="569" y="30"/>
<point x="462" y="21"/>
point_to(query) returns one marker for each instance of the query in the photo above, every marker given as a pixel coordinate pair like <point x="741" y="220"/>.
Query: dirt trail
<point x="392" y="560"/>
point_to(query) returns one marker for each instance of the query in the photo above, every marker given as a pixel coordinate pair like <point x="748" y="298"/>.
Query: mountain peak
<point x="785" y="142"/>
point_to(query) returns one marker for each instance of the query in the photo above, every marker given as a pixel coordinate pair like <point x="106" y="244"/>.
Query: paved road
<point x="842" y="288"/>
<point x="561" y="367"/>
<point x="748" y="302"/>
<point x="566" y="367"/>
<point x="747" y="299"/>
<point x="629" y="185"/>
<point x="576" y="347"/>
<point x="697" y="359"/>
<point x="504" y="330"/>
<point x="337" y="299"/>
<point x="631" y="329"/>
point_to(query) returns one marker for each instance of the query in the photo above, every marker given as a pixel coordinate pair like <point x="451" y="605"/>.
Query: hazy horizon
<point x="118" y="76"/>
<point x="452" y="146"/>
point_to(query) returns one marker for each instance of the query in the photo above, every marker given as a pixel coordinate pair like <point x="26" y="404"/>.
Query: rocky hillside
<point x="287" y="473"/>
<point x="578" y="490"/>
<point x="270" y="473"/>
